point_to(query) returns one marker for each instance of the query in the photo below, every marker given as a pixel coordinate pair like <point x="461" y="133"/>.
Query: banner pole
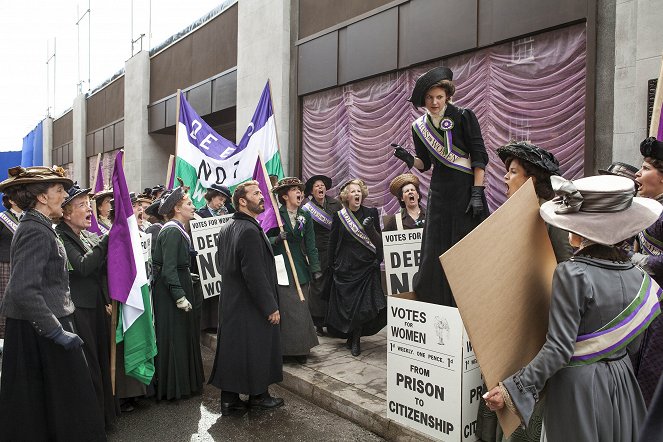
<point x="656" y="125"/>
<point x="94" y="184"/>
<point x="169" y="172"/>
<point x="280" y="223"/>
<point x="171" y="167"/>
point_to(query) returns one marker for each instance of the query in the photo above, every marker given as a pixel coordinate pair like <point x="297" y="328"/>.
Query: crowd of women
<point x="593" y="379"/>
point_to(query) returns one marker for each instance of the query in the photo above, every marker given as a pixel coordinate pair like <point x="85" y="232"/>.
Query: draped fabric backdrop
<point x="531" y="89"/>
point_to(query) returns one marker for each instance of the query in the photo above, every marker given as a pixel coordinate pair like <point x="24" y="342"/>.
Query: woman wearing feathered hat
<point x="649" y="255"/>
<point x="449" y="138"/>
<point x="46" y="392"/>
<point x="357" y="304"/>
<point x="297" y="330"/>
<point x="600" y="304"/>
<point x="86" y="255"/>
<point x="322" y="209"/>
<point x="405" y="187"/>
<point x="179" y="364"/>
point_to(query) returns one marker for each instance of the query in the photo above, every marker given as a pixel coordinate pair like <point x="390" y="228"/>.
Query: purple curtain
<point x="530" y="89"/>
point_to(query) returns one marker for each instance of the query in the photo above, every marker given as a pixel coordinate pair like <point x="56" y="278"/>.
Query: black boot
<point x="356" y="349"/>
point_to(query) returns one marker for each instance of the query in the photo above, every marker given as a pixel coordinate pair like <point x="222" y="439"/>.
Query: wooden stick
<point x="177" y="130"/>
<point x="113" y="355"/>
<point x="170" y="171"/>
<point x="94" y="185"/>
<point x="658" y="102"/>
<point x="280" y="223"/>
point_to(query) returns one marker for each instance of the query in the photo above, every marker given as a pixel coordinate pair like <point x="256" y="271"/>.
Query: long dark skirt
<point x="4" y="280"/>
<point x="446" y="223"/>
<point x="93" y="327"/>
<point x="650" y="361"/>
<point x="179" y="363"/>
<point x="297" y="330"/>
<point x="318" y="297"/>
<point x="46" y="392"/>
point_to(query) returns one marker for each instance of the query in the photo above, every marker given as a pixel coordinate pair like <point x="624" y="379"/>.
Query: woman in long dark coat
<point x="357" y="304"/>
<point x="179" y="364"/>
<point x="46" y="392"/>
<point x="449" y="138"/>
<point x="8" y="224"/>
<point x="322" y="209"/>
<point x="86" y="255"/>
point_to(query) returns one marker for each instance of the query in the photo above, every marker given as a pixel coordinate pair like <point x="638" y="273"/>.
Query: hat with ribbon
<point x="600" y="208"/>
<point x="73" y="192"/>
<point x="620" y="169"/>
<point x="535" y="155"/>
<point x="426" y="81"/>
<point x="397" y="184"/>
<point x="37" y="174"/>
<point x="287" y="183"/>
<point x="652" y="148"/>
<point x="308" y="187"/>
<point x="169" y="202"/>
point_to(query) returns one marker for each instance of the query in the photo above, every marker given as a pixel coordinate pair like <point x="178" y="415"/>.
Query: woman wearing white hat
<point x="600" y="303"/>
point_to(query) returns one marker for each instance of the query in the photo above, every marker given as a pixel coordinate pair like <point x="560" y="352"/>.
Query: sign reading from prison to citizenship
<point x="204" y="234"/>
<point x="434" y="383"/>
<point x="402" y="256"/>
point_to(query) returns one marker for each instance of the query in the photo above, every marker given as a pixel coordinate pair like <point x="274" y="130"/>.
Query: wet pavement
<point x="199" y="419"/>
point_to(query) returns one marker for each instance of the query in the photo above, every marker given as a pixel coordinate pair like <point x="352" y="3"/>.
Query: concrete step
<point x="354" y="388"/>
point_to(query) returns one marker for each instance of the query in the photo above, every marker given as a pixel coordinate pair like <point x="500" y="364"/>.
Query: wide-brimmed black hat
<point x="620" y="169"/>
<point x="153" y="209"/>
<point x="426" y="81"/>
<point x="169" y="202"/>
<point x="652" y="148"/>
<point x="223" y="190"/>
<point x="73" y="192"/>
<point x="308" y="187"/>
<point x="102" y="194"/>
<point x="532" y="154"/>
<point x="37" y="174"/>
<point x="287" y="183"/>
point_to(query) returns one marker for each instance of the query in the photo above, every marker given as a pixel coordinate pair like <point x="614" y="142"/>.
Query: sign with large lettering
<point x="205" y="233"/>
<point x="402" y="256"/>
<point x="146" y="246"/>
<point x="434" y="383"/>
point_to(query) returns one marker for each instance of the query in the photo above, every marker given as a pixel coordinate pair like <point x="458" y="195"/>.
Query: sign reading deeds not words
<point x="434" y="383"/>
<point x="402" y="257"/>
<point x="205" y="234"/>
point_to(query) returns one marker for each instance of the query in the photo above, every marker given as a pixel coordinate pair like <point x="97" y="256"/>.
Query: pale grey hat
<point x="600" y="208"/>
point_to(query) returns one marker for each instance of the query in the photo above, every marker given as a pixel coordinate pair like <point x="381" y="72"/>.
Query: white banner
<point x="402" y="256"/>
<point x="204" y="234"/>
<point x="433" y="381"/>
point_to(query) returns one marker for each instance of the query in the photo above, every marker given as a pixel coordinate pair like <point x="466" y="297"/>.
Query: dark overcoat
<point x="248" y="354"/>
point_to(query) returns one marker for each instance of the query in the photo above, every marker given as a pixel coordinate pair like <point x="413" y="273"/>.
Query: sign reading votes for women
<point x="434" y="382"/>
<point x="402" y="256"/>
<point x="205" y="233"/>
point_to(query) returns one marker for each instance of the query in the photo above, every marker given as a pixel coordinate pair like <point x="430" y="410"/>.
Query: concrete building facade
<point x="307" y="46"/>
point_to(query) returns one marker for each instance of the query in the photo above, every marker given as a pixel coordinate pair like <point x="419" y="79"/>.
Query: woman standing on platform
<point x="449" y="138"/>
<point x="179" y="364"/>
<point x="322" y="209"/>
<point x="357" y="304"/>
<point x="600" y="303"/>
<point x="297" y="330"/>
<point x="46" y="392"/>
<point x="86" y="257"/>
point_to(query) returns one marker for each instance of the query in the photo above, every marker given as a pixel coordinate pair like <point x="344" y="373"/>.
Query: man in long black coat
<point x="248" y="353"/>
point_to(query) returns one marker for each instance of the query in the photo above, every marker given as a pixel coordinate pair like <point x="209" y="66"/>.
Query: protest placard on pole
<point x="402" y="256"/>
<point x="204" y="234"/>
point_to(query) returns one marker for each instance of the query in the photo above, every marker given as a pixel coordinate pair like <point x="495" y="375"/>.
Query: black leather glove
<point x="317" y="275"/>
<point x="475" y="206"/>
<point x="282" y="236"/>
<point x="404" y="156"/>
<point x="367" y="222"/>
<point x="64" y="338"/>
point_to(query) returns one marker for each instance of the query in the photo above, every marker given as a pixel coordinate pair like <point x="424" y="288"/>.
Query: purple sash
<point x="171" y="224"/>
<point x="319" y="215"/>
<point x="355" y="229"/>
<point x="623" y="329"/>
<point x="442" y="149"/>
<point x="649" y="244"/>
<point x="9" y="221"/>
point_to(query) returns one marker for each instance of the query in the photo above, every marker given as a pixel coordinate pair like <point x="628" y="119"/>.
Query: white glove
<point x="184" y="304"/>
